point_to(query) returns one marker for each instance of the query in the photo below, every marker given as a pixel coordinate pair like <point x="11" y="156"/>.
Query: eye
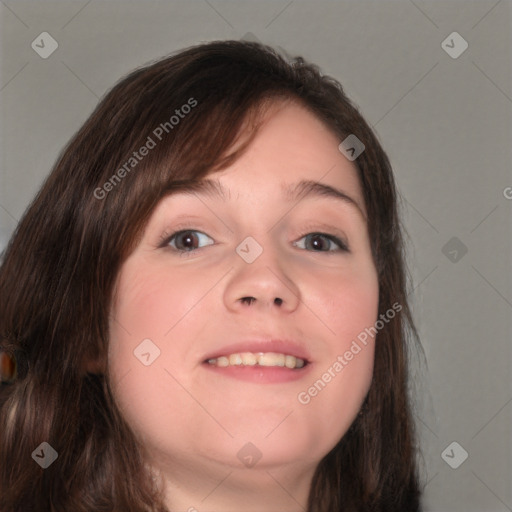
<point x="320" y="241"/>
<point x="185" y="240"/>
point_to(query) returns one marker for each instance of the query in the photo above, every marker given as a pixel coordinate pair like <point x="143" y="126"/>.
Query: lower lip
<point x="260" y="374"/>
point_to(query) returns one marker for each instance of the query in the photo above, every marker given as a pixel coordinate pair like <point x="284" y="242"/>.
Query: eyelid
<point x="342" y="245"/>
<point x="329" y="232"/>
<point x="167" y="234"/>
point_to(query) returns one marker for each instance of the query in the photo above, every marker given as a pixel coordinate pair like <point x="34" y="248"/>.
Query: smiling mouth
<point x="258" y="359"/>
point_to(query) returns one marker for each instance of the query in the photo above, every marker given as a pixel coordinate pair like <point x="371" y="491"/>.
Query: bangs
<point x="170" y="133"/>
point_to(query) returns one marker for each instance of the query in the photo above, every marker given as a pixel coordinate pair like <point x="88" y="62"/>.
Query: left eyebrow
<point x="309" y="188"/>
<point x="294" y="192"/>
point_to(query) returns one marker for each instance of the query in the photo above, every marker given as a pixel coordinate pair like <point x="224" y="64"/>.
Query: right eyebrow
<point x="295" y="192"/>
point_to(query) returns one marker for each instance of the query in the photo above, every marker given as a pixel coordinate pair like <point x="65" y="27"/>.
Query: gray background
<point x="445" y="122"/>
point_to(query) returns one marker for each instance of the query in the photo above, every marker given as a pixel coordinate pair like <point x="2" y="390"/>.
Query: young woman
<point x="205" y="306"/>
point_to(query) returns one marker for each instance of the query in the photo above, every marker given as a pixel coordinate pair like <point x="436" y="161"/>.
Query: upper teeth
<point x="263" y="359"/>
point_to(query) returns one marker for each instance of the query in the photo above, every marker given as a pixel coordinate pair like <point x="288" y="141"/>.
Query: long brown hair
<point x="59" y="270"/>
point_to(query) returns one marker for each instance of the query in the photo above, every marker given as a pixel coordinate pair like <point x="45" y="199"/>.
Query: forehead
<point x="293" y="155"/>
<point x="214" y="189"/>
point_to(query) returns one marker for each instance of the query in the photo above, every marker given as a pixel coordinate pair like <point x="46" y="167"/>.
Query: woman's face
<point x="180" y="300"/>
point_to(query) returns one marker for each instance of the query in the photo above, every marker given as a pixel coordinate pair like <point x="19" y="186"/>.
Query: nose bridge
<point x="261" y="255"/>
<point x="261" y="240"/>
<point x="261" y="274"/>
<point x="256" y="247"/>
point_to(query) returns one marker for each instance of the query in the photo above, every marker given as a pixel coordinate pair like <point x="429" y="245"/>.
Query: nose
<point x="262" y="284"/>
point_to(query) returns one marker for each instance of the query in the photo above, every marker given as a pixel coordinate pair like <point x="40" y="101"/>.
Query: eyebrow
<point x="295" y="192"/>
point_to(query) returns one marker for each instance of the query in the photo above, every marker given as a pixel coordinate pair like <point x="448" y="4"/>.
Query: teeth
<point x="261" y="359"/>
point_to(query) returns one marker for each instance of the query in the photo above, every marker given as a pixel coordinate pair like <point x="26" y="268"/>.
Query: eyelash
<point x="166" y="238"/>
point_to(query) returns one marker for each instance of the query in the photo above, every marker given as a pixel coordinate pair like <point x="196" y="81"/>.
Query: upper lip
<point x="280" y="346"/>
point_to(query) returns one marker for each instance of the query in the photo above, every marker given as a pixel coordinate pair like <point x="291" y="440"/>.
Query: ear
<point x="7" y="367"/>
<point x="94" y="363"/>
<point x="96" y="367"/>
<point x="13" y="364"/>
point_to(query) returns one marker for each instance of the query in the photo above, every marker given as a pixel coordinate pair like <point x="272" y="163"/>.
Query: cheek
<point x="347" y="303"/>
<point x="152" y="326"/>
<point x="142" y="362"/>
<point x="154" y="302"/>
<point x="342" y="378"/>
<point x="139" y="319"/>
<point x="145" y="300"/>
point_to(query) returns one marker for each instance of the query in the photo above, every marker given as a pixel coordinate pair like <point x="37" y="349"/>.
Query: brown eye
<point x="322" y="242"/>
<point x="186" y="240"/>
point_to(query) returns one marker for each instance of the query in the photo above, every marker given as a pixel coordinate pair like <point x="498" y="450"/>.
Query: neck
<point x="212" y="486"/>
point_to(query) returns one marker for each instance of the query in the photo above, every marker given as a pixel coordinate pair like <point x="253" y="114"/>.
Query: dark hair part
<point x="60" y="267"/>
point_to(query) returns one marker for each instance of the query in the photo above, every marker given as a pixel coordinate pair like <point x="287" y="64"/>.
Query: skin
<point x="192" y="421"/>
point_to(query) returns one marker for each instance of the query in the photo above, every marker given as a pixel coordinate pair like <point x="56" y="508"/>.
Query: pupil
<point x="188" y="238"/>
<point x="316" y="242"/>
